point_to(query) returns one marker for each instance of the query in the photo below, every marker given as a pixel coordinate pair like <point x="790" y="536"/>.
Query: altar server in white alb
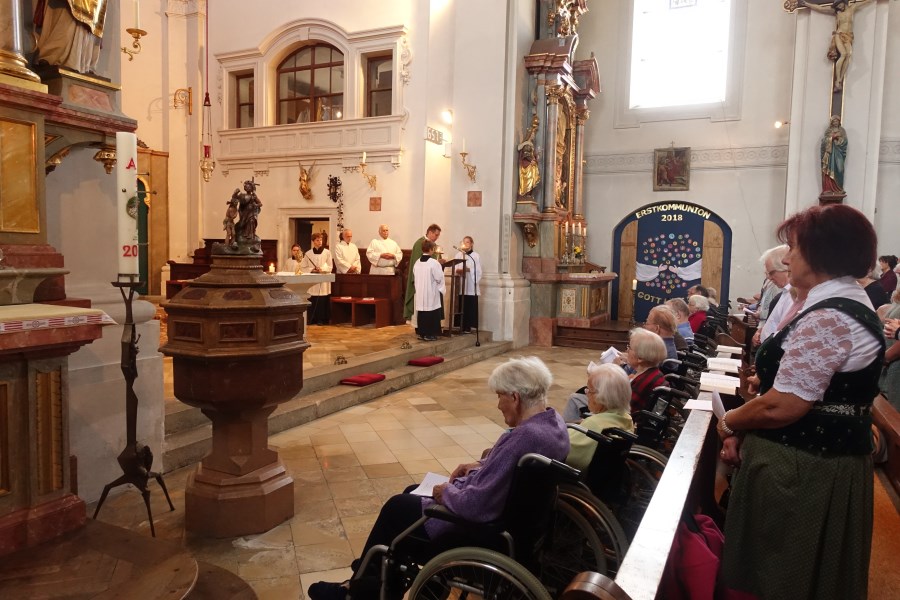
<point x="470" y="291"/>
<point x="346" y="254"/>
<point x="318" y="260"/>
<point x="430" y="288"/>
<point x="384" y="253"/>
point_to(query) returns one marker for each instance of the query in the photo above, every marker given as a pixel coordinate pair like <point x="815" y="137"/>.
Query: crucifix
<point x="833" y="149"/>
<point x="841" y="48"/>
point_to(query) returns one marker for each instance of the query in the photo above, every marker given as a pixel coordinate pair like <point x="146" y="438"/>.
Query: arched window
<point x="311" y="85"/>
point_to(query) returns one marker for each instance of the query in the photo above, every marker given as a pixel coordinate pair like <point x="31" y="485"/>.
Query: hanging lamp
<point x="207" y="164"/>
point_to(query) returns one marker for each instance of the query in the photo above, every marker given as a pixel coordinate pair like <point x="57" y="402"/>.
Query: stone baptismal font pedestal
<point x="236" y="336"/>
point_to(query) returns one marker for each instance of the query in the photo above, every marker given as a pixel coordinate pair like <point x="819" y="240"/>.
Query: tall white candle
<point x="634" y="284"/>
<point x="567" y="228"/>
<point x="127" y="202"/>
<point x="364" y="157"/>
<point x="137" y="14"/>
<point x="464" y="144"/>
<point x="584" y="233"/>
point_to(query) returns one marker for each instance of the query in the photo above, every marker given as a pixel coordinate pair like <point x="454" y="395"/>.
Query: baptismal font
<point x="236" y="336"/>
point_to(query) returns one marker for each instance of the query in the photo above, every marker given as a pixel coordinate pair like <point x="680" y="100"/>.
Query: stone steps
<point x="189" y="433"/>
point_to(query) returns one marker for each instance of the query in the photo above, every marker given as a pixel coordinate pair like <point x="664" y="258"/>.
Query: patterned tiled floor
<point x="345" y="466"/>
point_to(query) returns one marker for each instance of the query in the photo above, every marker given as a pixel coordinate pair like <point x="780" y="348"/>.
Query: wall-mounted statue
<point x="305" y="179"/>
<point x="69" y="33"/>
<point x="841" y="48"/>
<point x="529" y="171"/>
<point x="834" y="155"/>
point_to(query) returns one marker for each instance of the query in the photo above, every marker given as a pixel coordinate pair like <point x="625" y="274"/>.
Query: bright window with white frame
<point x="681" y="59"/>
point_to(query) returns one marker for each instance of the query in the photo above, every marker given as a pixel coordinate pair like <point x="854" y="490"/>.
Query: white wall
<point x="741" y="171"/>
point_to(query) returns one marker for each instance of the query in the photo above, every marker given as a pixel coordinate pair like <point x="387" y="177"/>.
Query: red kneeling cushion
<point x="363" y="379"/>
<point x="426" y="361"/>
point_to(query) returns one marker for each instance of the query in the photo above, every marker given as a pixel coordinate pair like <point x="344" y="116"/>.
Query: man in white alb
<point x="384" y="253"/>
<point x="470" y="287"/>
<point x="346" y="254"/>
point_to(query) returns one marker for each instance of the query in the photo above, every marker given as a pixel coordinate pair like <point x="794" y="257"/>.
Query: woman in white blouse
<point x="799" y="522"/>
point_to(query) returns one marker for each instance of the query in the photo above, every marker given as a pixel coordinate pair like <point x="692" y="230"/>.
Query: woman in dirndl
<point x="799" y="522"/>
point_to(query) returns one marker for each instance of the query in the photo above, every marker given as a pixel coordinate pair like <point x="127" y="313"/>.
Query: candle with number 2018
<point x="127" y="202"/>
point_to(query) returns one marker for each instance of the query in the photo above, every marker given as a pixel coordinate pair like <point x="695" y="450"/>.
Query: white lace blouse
<point x="825" y="342"/>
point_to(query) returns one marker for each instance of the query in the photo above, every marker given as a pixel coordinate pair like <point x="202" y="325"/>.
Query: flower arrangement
<point x="578" y="252"/>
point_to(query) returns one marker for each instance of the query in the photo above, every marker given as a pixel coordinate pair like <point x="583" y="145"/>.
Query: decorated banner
<point x="663" y="254"/>
<point x="127" y="202"/>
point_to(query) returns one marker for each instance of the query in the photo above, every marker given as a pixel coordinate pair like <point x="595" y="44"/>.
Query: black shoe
<point x="430" y="338"/>
<point x="326" y="590"/>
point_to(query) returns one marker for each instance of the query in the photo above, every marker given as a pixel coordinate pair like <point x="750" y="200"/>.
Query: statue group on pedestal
<point x="240" y="237"/>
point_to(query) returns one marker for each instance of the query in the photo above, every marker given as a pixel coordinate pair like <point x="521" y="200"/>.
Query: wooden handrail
<point x="687" y="481"/>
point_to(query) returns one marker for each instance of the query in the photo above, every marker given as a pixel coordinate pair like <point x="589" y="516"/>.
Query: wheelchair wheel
<point x="602" y="520"/>
<point x="645" y="467"/>
<point x="573" y="547"/>
<point x="470" y="571"/>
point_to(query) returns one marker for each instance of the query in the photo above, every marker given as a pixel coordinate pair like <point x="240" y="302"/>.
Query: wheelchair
<point x="502" y="559"/>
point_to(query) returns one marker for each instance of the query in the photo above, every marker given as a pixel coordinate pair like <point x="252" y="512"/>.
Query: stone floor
<point x="344" y="467"/>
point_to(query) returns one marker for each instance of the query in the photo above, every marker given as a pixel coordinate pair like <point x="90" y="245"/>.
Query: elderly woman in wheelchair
<point x="608" y="394"/>
<point x="476" y="493"/>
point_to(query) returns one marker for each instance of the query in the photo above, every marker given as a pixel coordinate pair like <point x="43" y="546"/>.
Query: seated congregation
<point x="799" y="434"/>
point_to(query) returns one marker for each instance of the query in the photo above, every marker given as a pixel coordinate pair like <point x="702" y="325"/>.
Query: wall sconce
<point x="184" y="97"/>
<point x="447" y="116"/>
<point x="107" y="156"/>
<point x="136" y="32"/>
<point x="469" y="167"/>
<point x="371" y="179"/>
<point x="780" y="124"/>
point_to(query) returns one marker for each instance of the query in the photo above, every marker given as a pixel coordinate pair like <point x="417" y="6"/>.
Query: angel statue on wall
<point x="305" y="179"/>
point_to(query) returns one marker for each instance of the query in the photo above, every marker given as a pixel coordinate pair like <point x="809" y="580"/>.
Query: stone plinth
<point x="237" y="338"/>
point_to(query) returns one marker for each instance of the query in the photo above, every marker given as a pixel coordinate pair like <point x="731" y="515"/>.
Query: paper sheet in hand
<point x="427" y="485"/>
<point x="609" y="355"/>
<point x="717" y="407"/>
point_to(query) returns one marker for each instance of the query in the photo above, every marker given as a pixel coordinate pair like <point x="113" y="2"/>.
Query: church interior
<point x="161" y="159"/>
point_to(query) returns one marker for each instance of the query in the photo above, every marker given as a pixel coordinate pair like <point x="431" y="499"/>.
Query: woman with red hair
<point x="799" y="522"/>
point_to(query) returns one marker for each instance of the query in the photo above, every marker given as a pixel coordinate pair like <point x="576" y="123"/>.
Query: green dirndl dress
<point x="799" y="521"/>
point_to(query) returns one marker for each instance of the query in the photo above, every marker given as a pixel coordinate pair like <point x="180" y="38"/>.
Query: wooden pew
<point x="887" y="419"/>
<point x="687" y="481"/>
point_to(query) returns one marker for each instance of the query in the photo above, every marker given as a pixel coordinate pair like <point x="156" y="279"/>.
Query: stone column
<point x="12" y="62"/>
<point x="549" y="158"/>
<point x="581" y="116"/>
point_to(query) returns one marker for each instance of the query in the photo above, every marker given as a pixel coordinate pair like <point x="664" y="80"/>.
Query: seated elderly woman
<point x="608" y="394"/>
<point x="646" y="351"/>
<point x="476" y="491"/>
<point x="698" y="305"/>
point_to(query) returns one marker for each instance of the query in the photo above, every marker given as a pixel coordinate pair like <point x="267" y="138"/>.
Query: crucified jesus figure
<point x="841" y="48"/>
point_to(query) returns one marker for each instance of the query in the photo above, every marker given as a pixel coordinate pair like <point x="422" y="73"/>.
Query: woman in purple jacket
<point x="476" y="491"/>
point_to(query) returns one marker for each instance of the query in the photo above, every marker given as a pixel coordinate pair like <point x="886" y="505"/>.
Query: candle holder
<point x="470" y="168"/>
<point x="372" y="180"/>
<point x="137" y="34"/>
<point x="136" y="459"/>
<point x="574" y="251"/>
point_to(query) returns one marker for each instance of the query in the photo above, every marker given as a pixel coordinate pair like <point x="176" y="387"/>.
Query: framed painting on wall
<point x="671" y="169"/>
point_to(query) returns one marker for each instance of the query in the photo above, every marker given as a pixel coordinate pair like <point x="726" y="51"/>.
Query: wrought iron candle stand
<point x="136" y="459"/>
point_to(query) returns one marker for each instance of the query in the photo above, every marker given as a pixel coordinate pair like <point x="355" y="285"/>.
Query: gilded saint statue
<point x="834" y="154"/>
<point x="69" y="33"/>
<point x="529" y="172"/>
<point x="841" y="48"/>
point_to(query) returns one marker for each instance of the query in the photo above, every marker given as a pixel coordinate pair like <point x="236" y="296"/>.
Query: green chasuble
<point x="409" y="306"/>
